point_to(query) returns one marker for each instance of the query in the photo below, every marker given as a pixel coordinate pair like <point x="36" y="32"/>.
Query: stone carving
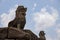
<point x="14" y="33"/>
<point x="42" y="35"/>
<point x="20" y="20"/>
<point x="3" y="32"/>
<point x="15" y="29"/>
<point x="17" y="33"/>
<point x="33" y="36"/>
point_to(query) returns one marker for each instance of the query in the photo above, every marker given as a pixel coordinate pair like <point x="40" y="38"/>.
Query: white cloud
<point x="44" y="19"/>
<point x="34" y="6"/>
<point x="58" y="31"/>
<point x="6" y="17"/>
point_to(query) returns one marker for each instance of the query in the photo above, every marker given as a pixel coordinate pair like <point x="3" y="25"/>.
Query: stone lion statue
<point x="42" y="35"/>
<point x="20" y="20"/>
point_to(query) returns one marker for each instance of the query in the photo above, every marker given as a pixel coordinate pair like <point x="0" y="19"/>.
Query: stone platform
<point x="16" y="34"/>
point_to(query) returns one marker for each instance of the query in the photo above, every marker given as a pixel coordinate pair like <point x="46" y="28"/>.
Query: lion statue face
<point x="21" y="13"/>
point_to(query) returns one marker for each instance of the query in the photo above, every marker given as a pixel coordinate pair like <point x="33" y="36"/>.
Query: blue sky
<point x="41" y="15"/>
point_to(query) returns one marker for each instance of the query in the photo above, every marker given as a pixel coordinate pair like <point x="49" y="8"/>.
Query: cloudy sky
<point x="41" y="15"/>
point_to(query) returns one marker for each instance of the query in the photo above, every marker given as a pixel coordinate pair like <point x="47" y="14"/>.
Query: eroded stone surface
<point x="13" y="33"/>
